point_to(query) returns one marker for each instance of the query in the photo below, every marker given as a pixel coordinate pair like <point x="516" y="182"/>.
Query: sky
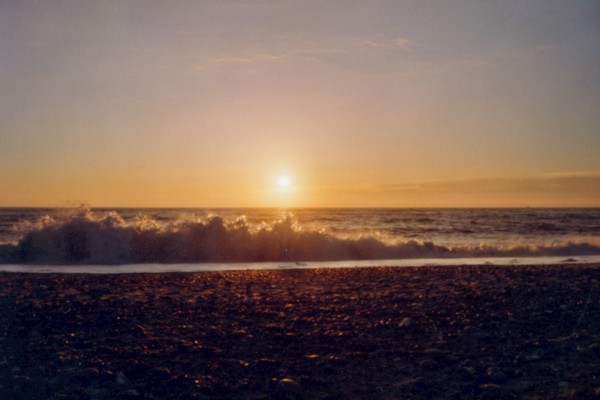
<point x="449" y="103"/>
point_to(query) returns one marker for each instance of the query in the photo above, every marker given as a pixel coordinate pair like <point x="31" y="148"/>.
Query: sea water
<point x="157" y="240"/>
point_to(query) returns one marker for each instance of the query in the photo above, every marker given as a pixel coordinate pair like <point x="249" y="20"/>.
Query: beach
<point x="456" y="332"/>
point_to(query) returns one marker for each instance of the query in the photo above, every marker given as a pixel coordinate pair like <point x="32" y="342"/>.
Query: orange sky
<point x="360" y="104"/>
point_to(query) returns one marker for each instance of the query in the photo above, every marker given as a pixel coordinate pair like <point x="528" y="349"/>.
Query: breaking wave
<point x="83" y="237"/>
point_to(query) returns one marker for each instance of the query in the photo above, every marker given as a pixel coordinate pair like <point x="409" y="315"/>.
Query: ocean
<point x="157" y="240"/>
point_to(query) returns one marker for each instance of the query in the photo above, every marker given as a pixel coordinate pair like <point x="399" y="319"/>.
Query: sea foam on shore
<point x="159" y="268"/>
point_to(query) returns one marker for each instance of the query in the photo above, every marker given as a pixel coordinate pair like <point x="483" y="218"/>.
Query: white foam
<point x="200" y="267"/>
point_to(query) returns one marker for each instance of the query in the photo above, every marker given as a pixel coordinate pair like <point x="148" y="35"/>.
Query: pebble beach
<point x="460" y="332"/>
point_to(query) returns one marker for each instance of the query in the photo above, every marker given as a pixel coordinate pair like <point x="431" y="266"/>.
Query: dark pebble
<point x="496" y="375"/>
<point x="159" y="374"/>
<point x="289" y="388"/>
<point x="137" y="371"/>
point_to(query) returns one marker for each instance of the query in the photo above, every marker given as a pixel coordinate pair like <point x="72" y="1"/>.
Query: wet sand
<point x="509" y="332"/>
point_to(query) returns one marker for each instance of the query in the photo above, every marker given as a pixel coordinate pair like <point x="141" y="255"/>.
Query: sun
<point x="284" y="182"/>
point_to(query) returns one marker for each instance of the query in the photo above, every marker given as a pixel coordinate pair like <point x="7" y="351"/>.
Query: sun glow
<point x="284" y="182"/>
<point x="284" y="191"/>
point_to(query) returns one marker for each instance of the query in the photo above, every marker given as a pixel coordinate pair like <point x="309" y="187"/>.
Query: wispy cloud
<point x="382" y="42"/>
<point x="552" y="190"/>
<point x="233" y="60"/>
<point x="304" y="50"/>
<point x="576" y="174"/>
<point x="568" y="182"/>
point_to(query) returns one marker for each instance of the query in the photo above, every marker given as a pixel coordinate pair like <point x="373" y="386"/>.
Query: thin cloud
<point x="554" y="181"/>
<point x="232" y="60"/>
<point x="403" y="43"/>
<point x="239" y="60"/>
<point x="308" y="50"/>
<point x="562" y="190"/>
<point x="384" y="43"/>
<point x="316" y="51"/>
<point x="577" y="174"/>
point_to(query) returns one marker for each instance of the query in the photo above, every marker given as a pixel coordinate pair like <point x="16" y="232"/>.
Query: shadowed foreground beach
<point x="365" y="333"/>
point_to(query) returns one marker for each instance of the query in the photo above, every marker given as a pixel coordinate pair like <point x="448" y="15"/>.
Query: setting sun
<point x="283" y="182"/>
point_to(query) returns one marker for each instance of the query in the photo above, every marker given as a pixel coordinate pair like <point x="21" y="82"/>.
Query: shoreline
<point x="291" y="265"/>
<point x="375" y="332"/>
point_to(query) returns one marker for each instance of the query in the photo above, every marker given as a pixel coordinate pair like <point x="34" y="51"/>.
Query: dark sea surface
<point x="83" y="236"/>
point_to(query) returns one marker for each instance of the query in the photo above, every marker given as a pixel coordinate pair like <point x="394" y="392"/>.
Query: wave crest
<point x="84" y="237"/>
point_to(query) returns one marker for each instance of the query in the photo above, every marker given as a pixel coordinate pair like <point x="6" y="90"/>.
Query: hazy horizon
<point x="349" y="104"/>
